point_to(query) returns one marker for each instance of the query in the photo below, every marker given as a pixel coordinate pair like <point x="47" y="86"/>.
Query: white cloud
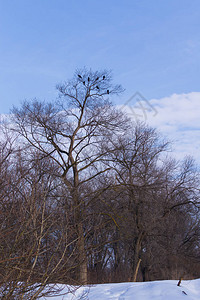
<point x="177" y="117"/>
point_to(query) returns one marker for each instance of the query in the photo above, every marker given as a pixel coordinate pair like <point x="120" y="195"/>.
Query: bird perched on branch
<point x="104" y="77"/>
<point x="88" y="79"/>
<point x="97" y="87"/>
<point x="97" y="78"/>
<point x="79" y="76"/>
<point x="108" y="91"/>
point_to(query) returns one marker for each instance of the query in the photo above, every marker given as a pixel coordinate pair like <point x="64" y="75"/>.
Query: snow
<point x="157" y="290"/>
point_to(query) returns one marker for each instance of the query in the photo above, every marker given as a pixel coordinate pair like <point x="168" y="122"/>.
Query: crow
<point x="79" y="76"/>
<point x="84" y="82"/>
<point x="88" y="79"/>
<point x="97" y="87"/>
<point x="104" y="77"/>
<point x="97" y="78"/>
<point x="108" y="91"/>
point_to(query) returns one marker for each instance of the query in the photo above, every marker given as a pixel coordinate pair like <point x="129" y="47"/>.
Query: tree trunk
<point x="82" y="256"/>
<point x="136" y="270"/>
<point x="78" y="217"/>
<point x="136" y="258"/>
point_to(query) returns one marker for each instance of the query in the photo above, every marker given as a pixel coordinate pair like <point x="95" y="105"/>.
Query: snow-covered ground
<point x="157" y="290"/>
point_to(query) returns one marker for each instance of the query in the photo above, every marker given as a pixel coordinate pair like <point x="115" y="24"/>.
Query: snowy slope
<point x="157" y="290"/>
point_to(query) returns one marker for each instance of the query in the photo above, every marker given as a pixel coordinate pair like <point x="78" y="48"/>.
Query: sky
<point x="152" y="48"/>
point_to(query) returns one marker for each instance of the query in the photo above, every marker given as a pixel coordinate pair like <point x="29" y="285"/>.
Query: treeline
<point x="89" y="196"/>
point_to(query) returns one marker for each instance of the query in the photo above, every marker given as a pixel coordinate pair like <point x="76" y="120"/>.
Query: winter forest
<point x="89" y="195"/>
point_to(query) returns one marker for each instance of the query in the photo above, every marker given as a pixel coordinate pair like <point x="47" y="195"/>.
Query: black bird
<point x="88" y="79"/>
<point x="104" y="77"/>
<point x="79" y="76"/>
<point x="97" y="87"/>
<point x="97" y="78"/>
<point x="84" y="82"/>
<point x="108" y="91"/>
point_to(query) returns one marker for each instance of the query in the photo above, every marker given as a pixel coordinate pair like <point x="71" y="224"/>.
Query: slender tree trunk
<point x="137" y="259"/>
<point x="136" y="270"/>
<point x="82" y="256"/>
<point x="78" y="217"/>
<point x="81" y="240"/>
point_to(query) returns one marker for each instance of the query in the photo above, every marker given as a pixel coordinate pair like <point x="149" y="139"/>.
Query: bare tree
<point x="149" y="189"/>
<point x="70" y="132"/>
<point x="34" y="247"/>
<point x="89" y="190"/>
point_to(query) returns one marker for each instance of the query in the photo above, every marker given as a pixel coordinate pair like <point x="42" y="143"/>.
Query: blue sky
<point x="152" y="46"/>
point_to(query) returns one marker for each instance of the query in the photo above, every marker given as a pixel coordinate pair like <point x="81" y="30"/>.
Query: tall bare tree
<point x="149" y="188"/>
<point x="70" y="132"/>
<point x="35" y="244"/>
